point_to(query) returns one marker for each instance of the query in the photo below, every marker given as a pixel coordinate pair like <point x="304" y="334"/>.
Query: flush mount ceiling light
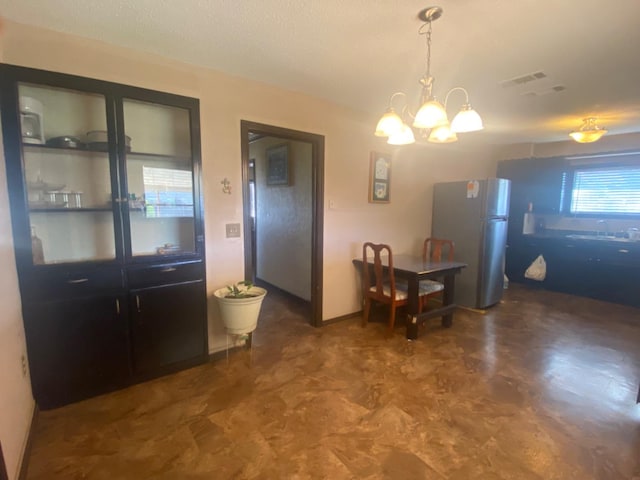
<point x="431" y="119"/>
<point x="588" y="132"/>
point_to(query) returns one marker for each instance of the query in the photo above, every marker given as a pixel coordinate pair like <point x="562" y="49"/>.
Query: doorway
<point x="251" y="131"/>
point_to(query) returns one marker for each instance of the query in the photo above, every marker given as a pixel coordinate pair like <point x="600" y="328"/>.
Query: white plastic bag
<point x="537" y="270"/>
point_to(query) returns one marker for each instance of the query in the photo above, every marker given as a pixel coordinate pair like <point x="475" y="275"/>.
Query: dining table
<point x="413" y="269"/>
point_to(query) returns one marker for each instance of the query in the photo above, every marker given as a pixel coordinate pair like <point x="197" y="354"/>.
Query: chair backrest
<point x="434" y="247"/>
<point x="379" y="277"/>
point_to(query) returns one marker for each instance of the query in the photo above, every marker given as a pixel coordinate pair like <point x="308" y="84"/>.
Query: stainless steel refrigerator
<point x="474" y="214"/>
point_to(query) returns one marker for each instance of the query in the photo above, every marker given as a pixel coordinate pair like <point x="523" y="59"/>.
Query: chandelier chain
<point x="427" y="35"/>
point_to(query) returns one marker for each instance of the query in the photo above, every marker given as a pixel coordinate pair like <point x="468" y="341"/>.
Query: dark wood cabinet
<point x="518" y="257"/>
<point x="605" y="270"/>
<point x="165" y="325"/>
<point x="597" y="269"/>
<point x="77" y="348"/>
<point x="545" y="187"/>
<point x="105" y="192"/>
<point x="538" y="182"/>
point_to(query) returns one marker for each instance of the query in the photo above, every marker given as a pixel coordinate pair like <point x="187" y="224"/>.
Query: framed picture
<point x="380" y="178"/>
<point x="278" y="165"/>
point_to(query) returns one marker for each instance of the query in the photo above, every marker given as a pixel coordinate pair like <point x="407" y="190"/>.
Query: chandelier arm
<point x="402" y="94"/>
<point x="453" y="90"/>
<point x="405" y="106"/>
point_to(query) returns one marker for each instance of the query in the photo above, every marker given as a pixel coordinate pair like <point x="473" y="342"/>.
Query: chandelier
<point x="431" y="119"/>
<point x="588" y="132"/>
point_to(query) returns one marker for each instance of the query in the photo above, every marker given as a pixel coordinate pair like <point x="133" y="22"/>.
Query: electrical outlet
<point x="233" y="230"/>
<point x="24" y="365"/>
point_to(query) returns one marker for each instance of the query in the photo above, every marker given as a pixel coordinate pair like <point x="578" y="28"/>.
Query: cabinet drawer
<point x="48" y="284"/>
<point x="164" y="274"/>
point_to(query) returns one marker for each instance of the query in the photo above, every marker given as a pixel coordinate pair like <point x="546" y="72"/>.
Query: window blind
<point x="167" y="192"/>
<point x="614" y="190"/>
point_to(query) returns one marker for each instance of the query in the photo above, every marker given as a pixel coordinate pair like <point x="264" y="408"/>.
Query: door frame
<point x="317" y="203"/>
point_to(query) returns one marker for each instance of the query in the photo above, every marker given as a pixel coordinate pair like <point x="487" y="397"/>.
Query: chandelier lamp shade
<point x="430" y="120"/>
<point x="588" y="132"/>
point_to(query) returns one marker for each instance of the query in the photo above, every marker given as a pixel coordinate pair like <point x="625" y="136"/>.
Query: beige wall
<point x="284" y="219"/>
<point x="224" y="102"/>
<point x="16" y="401"/>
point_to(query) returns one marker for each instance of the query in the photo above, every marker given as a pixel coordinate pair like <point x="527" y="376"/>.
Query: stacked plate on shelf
<point x="66" y="142"/>
<point x="96" y="140"/>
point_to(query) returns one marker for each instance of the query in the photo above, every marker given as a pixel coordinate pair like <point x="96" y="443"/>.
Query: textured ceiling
<point x="358" y="52"/>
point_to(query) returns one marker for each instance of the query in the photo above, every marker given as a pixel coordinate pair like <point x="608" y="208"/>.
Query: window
<point x="168" y="192"/>
<point x="606" y="190"/>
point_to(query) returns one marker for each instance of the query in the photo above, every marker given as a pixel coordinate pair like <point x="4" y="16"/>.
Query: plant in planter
<point x="240" y="306"/>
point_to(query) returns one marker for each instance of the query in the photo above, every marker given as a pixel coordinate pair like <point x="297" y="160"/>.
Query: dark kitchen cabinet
<point x="104" y="181"/>
<point x="601" y="270"/>
<point x="538" y="182"/>
<point x="167" y="302"/>
<point x="544" y="189"/>
<point x="518" y="257"/>
<point x="77" y="348"/>
<point x="604" y="270"/>
<point x="165" y="325"/>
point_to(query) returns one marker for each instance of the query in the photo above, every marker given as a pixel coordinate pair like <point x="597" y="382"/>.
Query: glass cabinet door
<point x="67" y="174"/>
<point x="159" y="175"/>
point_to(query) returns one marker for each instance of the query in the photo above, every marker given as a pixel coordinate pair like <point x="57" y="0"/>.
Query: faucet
<point x="604" y="229"/>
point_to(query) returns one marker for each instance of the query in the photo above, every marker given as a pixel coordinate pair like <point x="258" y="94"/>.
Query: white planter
<point x="240" y="315"/>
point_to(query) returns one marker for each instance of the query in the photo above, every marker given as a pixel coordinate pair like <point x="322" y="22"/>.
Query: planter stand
<point x="249" y="343"/>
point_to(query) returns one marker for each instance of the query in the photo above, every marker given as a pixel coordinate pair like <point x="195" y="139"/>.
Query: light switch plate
<point x="233" y="230"/>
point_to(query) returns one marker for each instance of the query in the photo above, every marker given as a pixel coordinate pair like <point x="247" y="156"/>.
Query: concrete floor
<point x="542" y="386"/>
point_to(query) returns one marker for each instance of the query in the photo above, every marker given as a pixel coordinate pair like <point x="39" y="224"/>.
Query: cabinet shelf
<point x="36" y="147"/>
<point x="69" y="210"/>
<point x="85" y="150"/>
<point x="170" y="205"/>
<point x="160" y="156"/>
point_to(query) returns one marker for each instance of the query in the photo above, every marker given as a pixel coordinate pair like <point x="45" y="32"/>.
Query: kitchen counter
<point x="583" y="235"/>
<point x="581" y="263"/>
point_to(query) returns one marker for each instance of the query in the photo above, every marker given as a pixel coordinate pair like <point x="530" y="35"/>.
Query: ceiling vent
<point x="521" y="80"/>
<point x="546" y="91"/>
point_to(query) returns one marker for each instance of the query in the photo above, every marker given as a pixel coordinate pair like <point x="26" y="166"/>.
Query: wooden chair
<point x="433" y="250"/>
<point x="434" y="247"/>
<point x="381" y="285"/>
